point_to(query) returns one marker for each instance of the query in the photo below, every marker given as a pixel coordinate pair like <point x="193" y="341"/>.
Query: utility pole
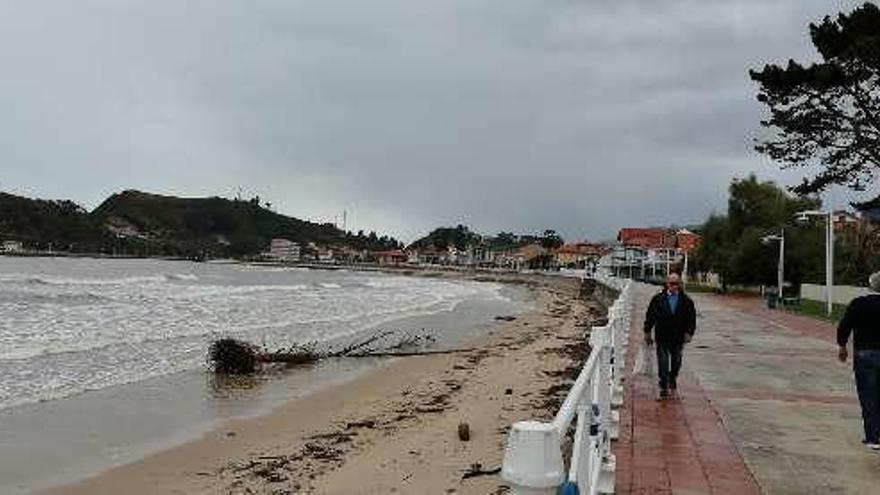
<point x="829" y="253"/>
<point x="829" y="264"/>
<point x="780" y="267"/>
<point x="684" y="271"/>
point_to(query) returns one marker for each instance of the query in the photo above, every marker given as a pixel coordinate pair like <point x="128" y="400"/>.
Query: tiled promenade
<point x="764" y="408"/>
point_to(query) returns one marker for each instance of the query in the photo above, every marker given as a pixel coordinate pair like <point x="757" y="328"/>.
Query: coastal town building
<point x="324" y="255"/>
<point x="869" y="211"/>
<point x="652" y="252"/>
<point x="531" y="256"/>
<point x="579" y="254"/>
<point x="391" y="257"/>
<point x="482" y="255"/>
<point x="283" y="250"/>
<point x="846" y="221"/>
<point x="431" y="256"/>
<point x="687" y="241"/>
<point x="412" y="257"/>
<point x="11" y="247"/>
<point x="455" y="256"/>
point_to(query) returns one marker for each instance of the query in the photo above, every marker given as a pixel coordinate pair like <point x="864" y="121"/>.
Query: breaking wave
<point x="65" y="332"/>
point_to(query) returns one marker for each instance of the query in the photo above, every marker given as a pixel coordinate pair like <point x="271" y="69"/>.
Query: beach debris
<point x="574" y="351"/>
<point x="476" y="469"/>
<point x="464" y="432"/>
<point x="232" y="356"/>
<point x="505" y="318"/>
<point x="366" y="423"/>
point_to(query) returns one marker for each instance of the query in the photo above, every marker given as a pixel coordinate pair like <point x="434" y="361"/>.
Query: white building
<point x="283" y="250"/>
<point x="325" y="255"/>
<point x="11" y="247"/>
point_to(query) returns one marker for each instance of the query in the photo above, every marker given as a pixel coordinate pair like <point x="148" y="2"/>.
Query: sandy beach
<point x="392" y="430"/>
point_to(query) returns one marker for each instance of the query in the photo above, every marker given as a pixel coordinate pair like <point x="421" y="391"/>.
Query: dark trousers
<point x="668" y="364"/>
<point x="866" y="365"/>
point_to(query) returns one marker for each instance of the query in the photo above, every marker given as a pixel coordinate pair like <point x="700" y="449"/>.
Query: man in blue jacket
<point x="673" y="317"/>
<point x="862" y="319"/>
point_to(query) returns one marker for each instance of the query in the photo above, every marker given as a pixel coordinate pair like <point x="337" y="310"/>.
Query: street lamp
<point x="829" y="251"/>
<point x="780" y="270"/>
<point x="684" y="271"/>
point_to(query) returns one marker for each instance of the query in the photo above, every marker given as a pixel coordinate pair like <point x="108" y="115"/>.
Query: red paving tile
<point x="674" y="446"/>
<point x="804" y="325"/>
<point x="786" y="397"/>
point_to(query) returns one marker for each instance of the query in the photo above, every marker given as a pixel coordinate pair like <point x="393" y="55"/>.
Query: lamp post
<point x="780" y="268"/>
<point x="684" y="271"/>
<point x="829" y="252"/>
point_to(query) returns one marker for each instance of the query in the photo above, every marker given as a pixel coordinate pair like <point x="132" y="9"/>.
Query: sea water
<point x="71" y="325"/>
<point x="103" y="361"/>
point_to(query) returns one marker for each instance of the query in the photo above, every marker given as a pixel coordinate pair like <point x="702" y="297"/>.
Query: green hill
<point x="49" y="224"/>
<point x="441" y="238"/>
<point x="140" y="223"/>
<point x="461" y="237"/>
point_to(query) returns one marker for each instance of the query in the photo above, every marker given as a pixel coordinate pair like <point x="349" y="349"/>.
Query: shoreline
<point x="311" y="443"/>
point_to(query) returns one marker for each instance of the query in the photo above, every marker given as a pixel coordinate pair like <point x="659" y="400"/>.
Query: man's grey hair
<point x="874" y="281"/>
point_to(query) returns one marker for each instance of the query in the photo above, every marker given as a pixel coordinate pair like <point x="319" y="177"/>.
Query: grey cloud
<point x="506" y="114"/>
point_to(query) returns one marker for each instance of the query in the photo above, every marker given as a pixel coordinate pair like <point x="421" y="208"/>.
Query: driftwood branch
<point x="238" y="357"/>
<point x="476" y="469"/>
<point x="414" y="353"/>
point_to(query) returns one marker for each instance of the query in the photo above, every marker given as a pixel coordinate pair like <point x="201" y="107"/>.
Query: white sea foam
<point x="84" y="325"/>
<point x="54" y="280"/>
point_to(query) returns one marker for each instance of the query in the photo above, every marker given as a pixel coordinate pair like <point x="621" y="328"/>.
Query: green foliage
<point x="858" y="254"/>
<point x="732" y="245"/>
<point x="818" y="310"/>
<point x="460" y="237"/>
<point x="827" y="115"/>
<point x="551" y="240"/>
<point x="43" y="224"/>
<point x="166" y="225"/>
<point x="503" y="241"/>
<point x="713" y="253"/>
<point x="762" y="205"/>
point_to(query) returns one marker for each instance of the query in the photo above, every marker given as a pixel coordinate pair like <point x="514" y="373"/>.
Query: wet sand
<point x="393" y="429"/>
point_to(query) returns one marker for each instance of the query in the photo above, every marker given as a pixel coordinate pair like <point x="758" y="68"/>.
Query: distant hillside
<point x="135" y="222"/>
<point x="441" y="238"/>
<point x="48" y="224"/>
<point x="461" y="237"/>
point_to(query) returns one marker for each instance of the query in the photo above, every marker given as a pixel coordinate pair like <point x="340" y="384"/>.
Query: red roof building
<point x="650" y="238"/>
<point x="686" y="240"/>
<point x="578" y="253"/>
<point x="390" y="257"/>
<point x="658" y="238"/>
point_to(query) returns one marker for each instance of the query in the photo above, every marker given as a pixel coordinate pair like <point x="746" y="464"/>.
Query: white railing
<point x="534" y="457"/>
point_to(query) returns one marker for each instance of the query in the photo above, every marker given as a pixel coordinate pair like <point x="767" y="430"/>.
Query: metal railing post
<point x="533" y="459"/>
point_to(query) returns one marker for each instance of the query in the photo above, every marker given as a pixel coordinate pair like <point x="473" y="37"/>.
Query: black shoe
<point x="664" y="394"/>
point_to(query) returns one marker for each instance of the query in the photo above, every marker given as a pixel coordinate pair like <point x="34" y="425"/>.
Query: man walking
<point x="862" y="319"/>
<point x="672" y="316"/>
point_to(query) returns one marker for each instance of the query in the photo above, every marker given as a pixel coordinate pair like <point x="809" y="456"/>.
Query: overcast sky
<point x="579" y="115"/>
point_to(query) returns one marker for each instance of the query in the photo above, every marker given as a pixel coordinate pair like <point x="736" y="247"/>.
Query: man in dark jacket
<point x="672" y="316"/>
<point x="862" y="318"/>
